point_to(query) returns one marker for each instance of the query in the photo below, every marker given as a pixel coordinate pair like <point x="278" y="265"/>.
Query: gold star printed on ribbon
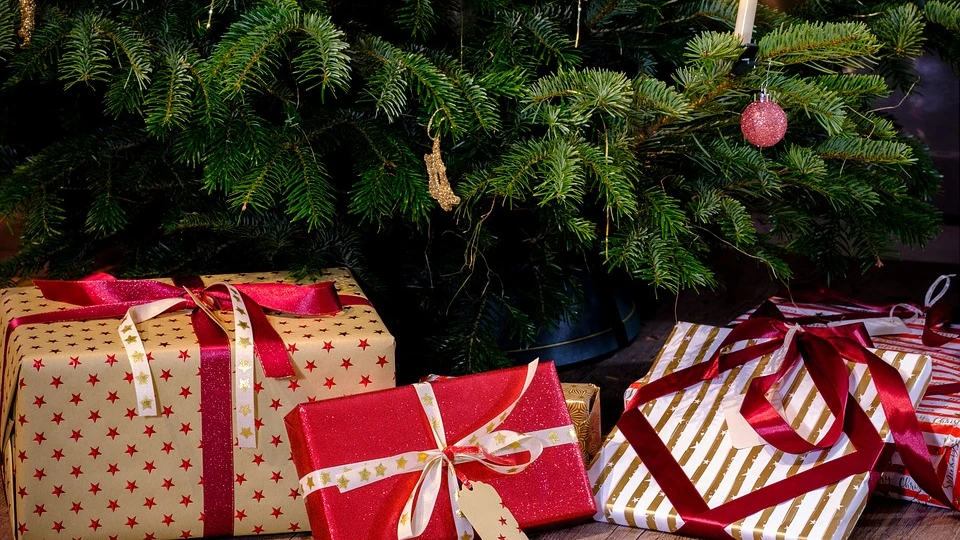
<point x="244" y="342"/>
<point x="127" y="328"/>
<point x="466" y="536"/>
<point x="241" y="311"/>
<point x="364" y="475"/>
<point x="553" y="437"/>
<point x="439" y="184"/>
<point x="310" y="483"/>
<point x="244" y="384"/>
<point x="427" y="400"/>
<point x="422" y="457"/>
<point x="435" y="422"/>
<point x="515" y="445"/>
<point x="343" y="482"/>
<point x="490" y="427"/>
<point x="500" y="438"/>
<point x="244" y="364"/>
<point x="130" y="339"/>
<point x="401" y="463"/>
<point x="243" y="324"/>
<point x="381" y="470"/>
<point x="324" y="478"/>
<point x="137" y="356"/>
<point x="246" y="433"/>
<point x="142" y="378"/>
<point x="474" y="439"/>
<point x="245" y="410"/>
<point x="147" y="404"/>
<point x="404" y="519"/>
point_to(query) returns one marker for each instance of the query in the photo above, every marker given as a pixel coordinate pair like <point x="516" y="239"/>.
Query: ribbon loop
<point x="933" y="296"/>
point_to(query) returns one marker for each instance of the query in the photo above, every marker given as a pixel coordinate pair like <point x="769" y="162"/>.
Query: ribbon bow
<point x="499" y="450"/>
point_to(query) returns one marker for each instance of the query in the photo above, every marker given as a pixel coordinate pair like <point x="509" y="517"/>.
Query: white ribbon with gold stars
<point x="423" y="497"/>
<point x="243" y="358"/>
<point x="137" y="355"/>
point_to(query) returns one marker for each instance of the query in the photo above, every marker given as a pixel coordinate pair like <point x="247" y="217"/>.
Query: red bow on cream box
<point x="372" y="466"/>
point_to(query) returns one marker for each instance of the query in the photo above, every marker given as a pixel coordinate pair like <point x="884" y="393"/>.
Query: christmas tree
<point x="173" y="137"/>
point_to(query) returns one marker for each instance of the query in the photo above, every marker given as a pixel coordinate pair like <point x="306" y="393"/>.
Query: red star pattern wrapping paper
<point x="335" y="433"/>
<point x="80" y="464"/>
<point x="939" y="415"/>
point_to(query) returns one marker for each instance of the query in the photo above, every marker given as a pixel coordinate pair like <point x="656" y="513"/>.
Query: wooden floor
<point x="883" y="519"/>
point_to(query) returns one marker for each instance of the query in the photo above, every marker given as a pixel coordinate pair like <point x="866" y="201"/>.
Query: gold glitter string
<point x="28" y="13"/>
<point x="437" y="174"/>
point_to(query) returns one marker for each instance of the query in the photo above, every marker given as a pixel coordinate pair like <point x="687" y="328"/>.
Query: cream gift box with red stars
<point x="79" y="462"/>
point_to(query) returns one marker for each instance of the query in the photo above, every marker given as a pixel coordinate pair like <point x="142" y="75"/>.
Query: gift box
<point x="583" y="404"/>
<point x="937" y="412"/>
<point x="110" y="386"/>
<point x="681" y="461"/>
<point x="361" y="458"/>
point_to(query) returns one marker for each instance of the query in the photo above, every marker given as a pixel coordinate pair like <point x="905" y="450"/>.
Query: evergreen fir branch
<point x="561" y="178"/>
<point x="259" y="187"/>
<point x="590" y="91"/>
<point x="387" y="88"/>
<point x="242" y="142"/>
<point x="39" y="59"/>
<point x="169" y="101"/>
<point x="121" y="96"/>
<point x="134" y="48"/>
<point x="661" y="262"/>
<point x="324" y="62"/>
<point x="417" y="17"/>
<point x="308" y="189"/>
<point x="705" y="204"/>
<point x="900" y="29"/>
<point x="613" y="186"/>
<point x="552" y="44"/>
<point x="86" y="57"/>
<point x="866" y="150"/>
<point x="106" y="215"/>
<point x="710" y="47"/>
<point x="8" y="18"/>
<point x="654" y="97"/>
<point x="847" y="44"/>
<point x="854" y="88"/>
<point x="665" y="213"/>
<point x="871" y="126"/>
<point x="508" y="83"/>
<point x="42" y="214"/>
<point x="738" y="225"/>
<point x="945" y="14"/>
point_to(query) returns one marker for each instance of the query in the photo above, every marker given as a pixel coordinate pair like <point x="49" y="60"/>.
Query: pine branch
<point x="86" y="58"/>
<point x="845" y="44"/>
<point x="8" y="17"/>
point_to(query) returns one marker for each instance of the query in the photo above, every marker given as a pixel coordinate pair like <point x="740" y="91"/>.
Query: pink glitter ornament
<point x="763" y="122"/>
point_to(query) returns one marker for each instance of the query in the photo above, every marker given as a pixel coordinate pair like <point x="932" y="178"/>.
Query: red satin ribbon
<point x="936" y="316"/>
<point x="104" y="297"/>
<point x="824" y="352"/>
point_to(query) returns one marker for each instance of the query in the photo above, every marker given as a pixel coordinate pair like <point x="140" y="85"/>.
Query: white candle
<point x="745" y="16"/>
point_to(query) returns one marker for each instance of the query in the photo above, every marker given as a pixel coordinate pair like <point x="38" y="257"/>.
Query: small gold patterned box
<point x="583" y="402"/>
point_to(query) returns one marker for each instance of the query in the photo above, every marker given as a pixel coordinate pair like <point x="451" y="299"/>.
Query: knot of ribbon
<point x="824" y="351"/>
<point x="503" y="451"/>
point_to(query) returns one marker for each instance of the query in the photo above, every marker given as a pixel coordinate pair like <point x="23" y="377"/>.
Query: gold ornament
<point x="28" y="13"/>
<point x="437" y="175"/>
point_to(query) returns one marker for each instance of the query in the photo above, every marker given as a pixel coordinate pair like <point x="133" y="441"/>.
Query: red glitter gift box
<point x="360" y="458"/>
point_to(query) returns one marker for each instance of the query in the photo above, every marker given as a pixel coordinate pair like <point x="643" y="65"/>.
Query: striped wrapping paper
<point x="692" y="424"/>
<point x="939" y="415"/>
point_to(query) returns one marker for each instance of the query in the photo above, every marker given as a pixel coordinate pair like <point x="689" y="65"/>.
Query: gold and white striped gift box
<point x="692" y="425"/>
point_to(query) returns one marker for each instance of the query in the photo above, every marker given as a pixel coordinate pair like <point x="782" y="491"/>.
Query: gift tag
<point x="482" y="506"/>
<point x="883" y="326"/>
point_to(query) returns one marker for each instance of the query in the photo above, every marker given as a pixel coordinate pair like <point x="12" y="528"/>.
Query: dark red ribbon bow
<point x="824" y="352"/>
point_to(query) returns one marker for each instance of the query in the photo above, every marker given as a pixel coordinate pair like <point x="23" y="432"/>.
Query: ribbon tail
<point x="137" y="355"/>
<point x="268" y="344"/>
<point x="421" y="502"/>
